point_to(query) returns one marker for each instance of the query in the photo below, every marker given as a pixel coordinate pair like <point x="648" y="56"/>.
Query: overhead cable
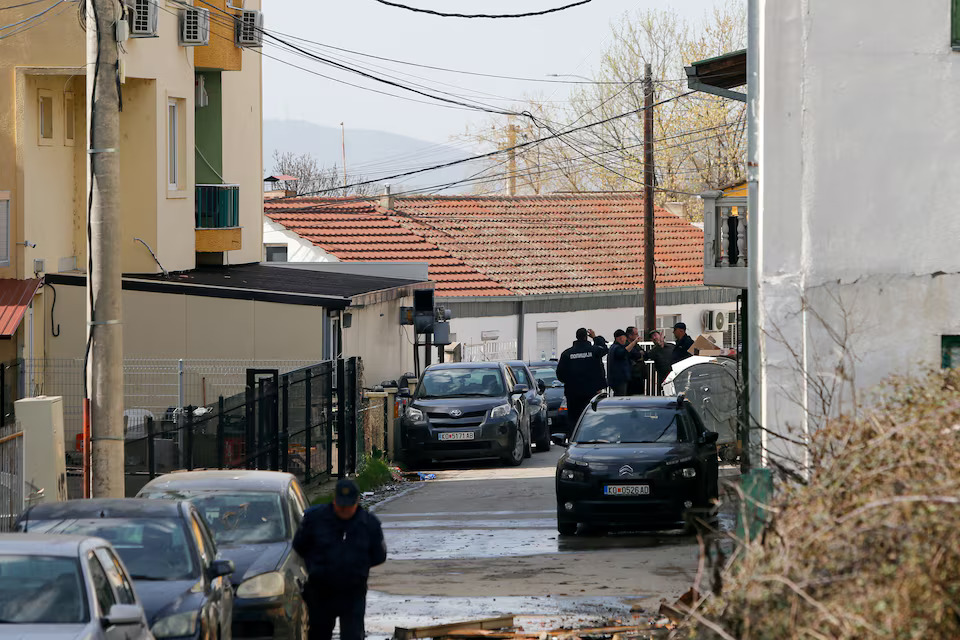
<point x="527" y="14"/>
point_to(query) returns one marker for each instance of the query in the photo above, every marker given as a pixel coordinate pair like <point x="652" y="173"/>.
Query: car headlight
<point x="265" y="585"/>
<point x="179" y="624"/>
<point x="574" y="471"/>
<point x="501" y="412"/>
<point x="414" y="414"/>
<point x="687" y="472"/>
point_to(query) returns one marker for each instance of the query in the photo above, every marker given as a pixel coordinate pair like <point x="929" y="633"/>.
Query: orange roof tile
<point x="504" y="245"/>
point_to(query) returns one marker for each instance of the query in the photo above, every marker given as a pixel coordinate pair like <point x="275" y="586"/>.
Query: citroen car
<point x="254" y="516"/>
<point x="467" y="410"/>
<point x="636" y="462"/>
<point x="169" y="551"/>
<point x="66" y="587"/>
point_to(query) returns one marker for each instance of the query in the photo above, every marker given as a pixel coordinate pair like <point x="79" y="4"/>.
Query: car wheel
<point x="566" y="527"/>
<point x="543" y="443"/>
<point x="517" y="451"/>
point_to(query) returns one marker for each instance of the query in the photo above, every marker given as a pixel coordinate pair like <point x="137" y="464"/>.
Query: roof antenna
<point x="166" y="274"/>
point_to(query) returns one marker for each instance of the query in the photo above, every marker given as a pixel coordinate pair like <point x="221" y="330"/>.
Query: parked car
<point x="636" y="461"/>
<point x="553" y="395"/>
<point x="536" y="403"/>
<point x="169" y="551"/>
<point x="66" y="587"/>
<point x="254" y="516"/>
<point x="467" y="410"/>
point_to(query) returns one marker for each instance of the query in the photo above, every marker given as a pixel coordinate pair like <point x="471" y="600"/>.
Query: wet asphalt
<point x="480" y="540"/>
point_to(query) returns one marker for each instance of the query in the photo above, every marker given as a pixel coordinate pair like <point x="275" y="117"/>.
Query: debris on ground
<point x="504" y="629"/>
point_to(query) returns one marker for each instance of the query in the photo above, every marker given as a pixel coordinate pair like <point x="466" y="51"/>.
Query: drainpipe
<point x="755" y="352"/>
<point x="521" y="309"/>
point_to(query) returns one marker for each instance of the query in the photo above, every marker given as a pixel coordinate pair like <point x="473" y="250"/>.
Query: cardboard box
<point x="703" y="343"/>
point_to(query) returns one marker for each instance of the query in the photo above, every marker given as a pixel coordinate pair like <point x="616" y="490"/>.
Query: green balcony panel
<point x="218" y="206"/>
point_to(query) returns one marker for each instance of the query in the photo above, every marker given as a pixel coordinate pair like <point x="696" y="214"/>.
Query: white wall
<point x="858" y="216"/>
<point x="298" y="249"/>
<point x="603" y="321"/>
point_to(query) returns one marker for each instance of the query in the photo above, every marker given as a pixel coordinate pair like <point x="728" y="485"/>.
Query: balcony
<point x="725" y="240"/>
<point x="218" y="218"/>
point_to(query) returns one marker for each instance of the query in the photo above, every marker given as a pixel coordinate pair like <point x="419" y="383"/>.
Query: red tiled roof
<point x="359" y="232"/>
<point x="522" y="245"/>
<point x="15" y="297"/>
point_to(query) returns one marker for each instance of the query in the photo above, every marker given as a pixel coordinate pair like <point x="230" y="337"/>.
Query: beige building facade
<point x="190" y="157"/>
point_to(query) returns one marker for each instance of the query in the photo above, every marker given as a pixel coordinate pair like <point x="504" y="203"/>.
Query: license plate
<point x="457" y="435"/>
<point x="626" y="490"/>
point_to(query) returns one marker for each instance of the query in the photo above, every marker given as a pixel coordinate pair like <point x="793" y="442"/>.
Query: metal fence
<point x="11" y="476"/>
<point x="490" y="351"/>
<point x="153" y="388"/>
<point x="300" y="421"/>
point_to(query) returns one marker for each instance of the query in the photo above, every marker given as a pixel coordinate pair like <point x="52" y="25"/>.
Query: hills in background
<point x="371" y="154"/>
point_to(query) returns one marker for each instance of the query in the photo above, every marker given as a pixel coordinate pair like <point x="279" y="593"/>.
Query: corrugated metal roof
<point x="15" y="297"/>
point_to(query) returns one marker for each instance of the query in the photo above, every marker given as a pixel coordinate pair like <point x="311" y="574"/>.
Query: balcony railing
<point x="725" y="240"/>
<point x="217" y="206"/>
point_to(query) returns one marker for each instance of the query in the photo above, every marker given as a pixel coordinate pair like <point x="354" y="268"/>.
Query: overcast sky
<point x="568" y="42"/>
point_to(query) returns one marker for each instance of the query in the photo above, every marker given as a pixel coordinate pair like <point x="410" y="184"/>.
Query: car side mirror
<point x="559" y="439"/>
<point x="541" y="386"/>
<point x="220" y="568"/>
<point x="710" y="437"/>
<point x="121" y="614"/>
<point x="519" y="389"/>
<point x="404" y="392"/>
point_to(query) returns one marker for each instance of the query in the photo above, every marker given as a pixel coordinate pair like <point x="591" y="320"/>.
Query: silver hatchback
<point x="54" y="586"/>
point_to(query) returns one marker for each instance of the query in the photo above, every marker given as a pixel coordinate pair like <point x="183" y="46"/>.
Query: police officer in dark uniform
<point x="339" y="543"/>
<point x="580" y="369"/>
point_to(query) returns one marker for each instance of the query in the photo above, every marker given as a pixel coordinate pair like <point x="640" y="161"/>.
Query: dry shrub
<point x="870" y="546"/>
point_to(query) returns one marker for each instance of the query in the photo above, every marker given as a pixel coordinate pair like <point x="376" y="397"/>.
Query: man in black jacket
<point x="339" y="543"/>
<point x="662" y="355"/>
<point x="681" y="351"/>
<point x="619" y="362"/>
<point x="580" y="369"/>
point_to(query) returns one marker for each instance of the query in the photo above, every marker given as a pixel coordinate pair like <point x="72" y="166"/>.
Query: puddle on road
<point x="539" y="613"/>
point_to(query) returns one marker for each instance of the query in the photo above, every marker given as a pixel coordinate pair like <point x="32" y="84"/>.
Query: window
<point x="101" y="585"/>
<point x="117" y="576"/>
<point x="950" y="352"/>
<point x="205" y="557"/>
<point x="173" y="144"/>
<point x="546" y="342"/>
<point x="4" y="228"/>
<point x="69" y="119"/>
<point x="45" y="117"/>
<point x="276" y="253"/>
<point x="955" y="24"/>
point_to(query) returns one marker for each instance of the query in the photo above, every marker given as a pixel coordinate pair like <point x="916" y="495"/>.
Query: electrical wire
<point x="33" y="17"/>
<point x="528" y="14"/>
<point x="36" y="21"/>
<point x="24" y="4"/>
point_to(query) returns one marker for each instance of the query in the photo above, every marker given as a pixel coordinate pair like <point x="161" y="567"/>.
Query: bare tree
<point x="315" y="179"/>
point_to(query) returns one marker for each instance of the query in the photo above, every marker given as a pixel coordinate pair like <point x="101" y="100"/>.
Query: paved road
<point x="482" y="540"/>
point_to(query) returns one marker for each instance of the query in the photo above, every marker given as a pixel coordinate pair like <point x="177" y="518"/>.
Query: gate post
<point x="284" y="438"/>
<point x="308" y="391"/>
<point x="342" y="449"/>
<point x="221" y="441"/>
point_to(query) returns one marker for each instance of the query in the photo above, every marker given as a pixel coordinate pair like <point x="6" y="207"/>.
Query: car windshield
<point x="521" y="375"/>
<point x="151" y="548"/>
<point x="41" y="590"/>
<point x="627" y="424"/>
<point x="547" y="374"/>
<point x="451" y="383"/>
<point x="240" y="517"/>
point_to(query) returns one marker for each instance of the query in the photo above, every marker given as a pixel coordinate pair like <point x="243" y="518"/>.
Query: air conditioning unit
<point x="142" y="15"/>
<point x="714" y="320"/>
<point x="250" y="28"/>
<point x="194" y="27"/>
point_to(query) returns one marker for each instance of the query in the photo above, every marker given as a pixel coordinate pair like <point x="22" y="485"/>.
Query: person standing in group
<point x="619" y="369"/>
<point x="638" y="364"/>
<point x="681" y="349"/>
<point x="662" y="355"/>
<point x="580" y="369"/>
<point x="339" y="543"/>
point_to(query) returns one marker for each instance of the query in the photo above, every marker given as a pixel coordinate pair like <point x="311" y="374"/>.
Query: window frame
<point x="93" y="562"/>
<point x="122" y="588"/>
<point x="947" y="344"/>
<point x="268" y="247"/>
<point x="69" y="118"/>
<point x="173" y="145"/>
<point x="45" y="141"/>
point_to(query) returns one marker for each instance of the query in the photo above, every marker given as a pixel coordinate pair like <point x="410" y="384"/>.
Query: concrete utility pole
<point x="649" y="284"/>
<point x="343" y="156"/>
<point x="104" y="328"/>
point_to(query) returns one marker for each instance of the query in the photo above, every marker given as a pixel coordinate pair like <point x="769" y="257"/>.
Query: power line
<point x="528" y="14"/>
<point x="33" y="17"/>
<point x="24" y="4"/>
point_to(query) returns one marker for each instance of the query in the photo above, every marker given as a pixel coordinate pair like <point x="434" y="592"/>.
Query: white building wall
<point x="603" y="321"/>
<point x="298" y="249"/>
<point x="858" y="216"/>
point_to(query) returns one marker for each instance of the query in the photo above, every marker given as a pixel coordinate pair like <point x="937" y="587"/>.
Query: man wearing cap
<point x="339" y="543"/>
<point x="619" y="369"/>
<point x="681" y="349"/>
<point x="580" y="369"/>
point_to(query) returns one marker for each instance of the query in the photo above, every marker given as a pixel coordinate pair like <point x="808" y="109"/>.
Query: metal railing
<point x="217" y="206"/>
<point x="11" y="477"/>
<point x="490" y="351"/>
